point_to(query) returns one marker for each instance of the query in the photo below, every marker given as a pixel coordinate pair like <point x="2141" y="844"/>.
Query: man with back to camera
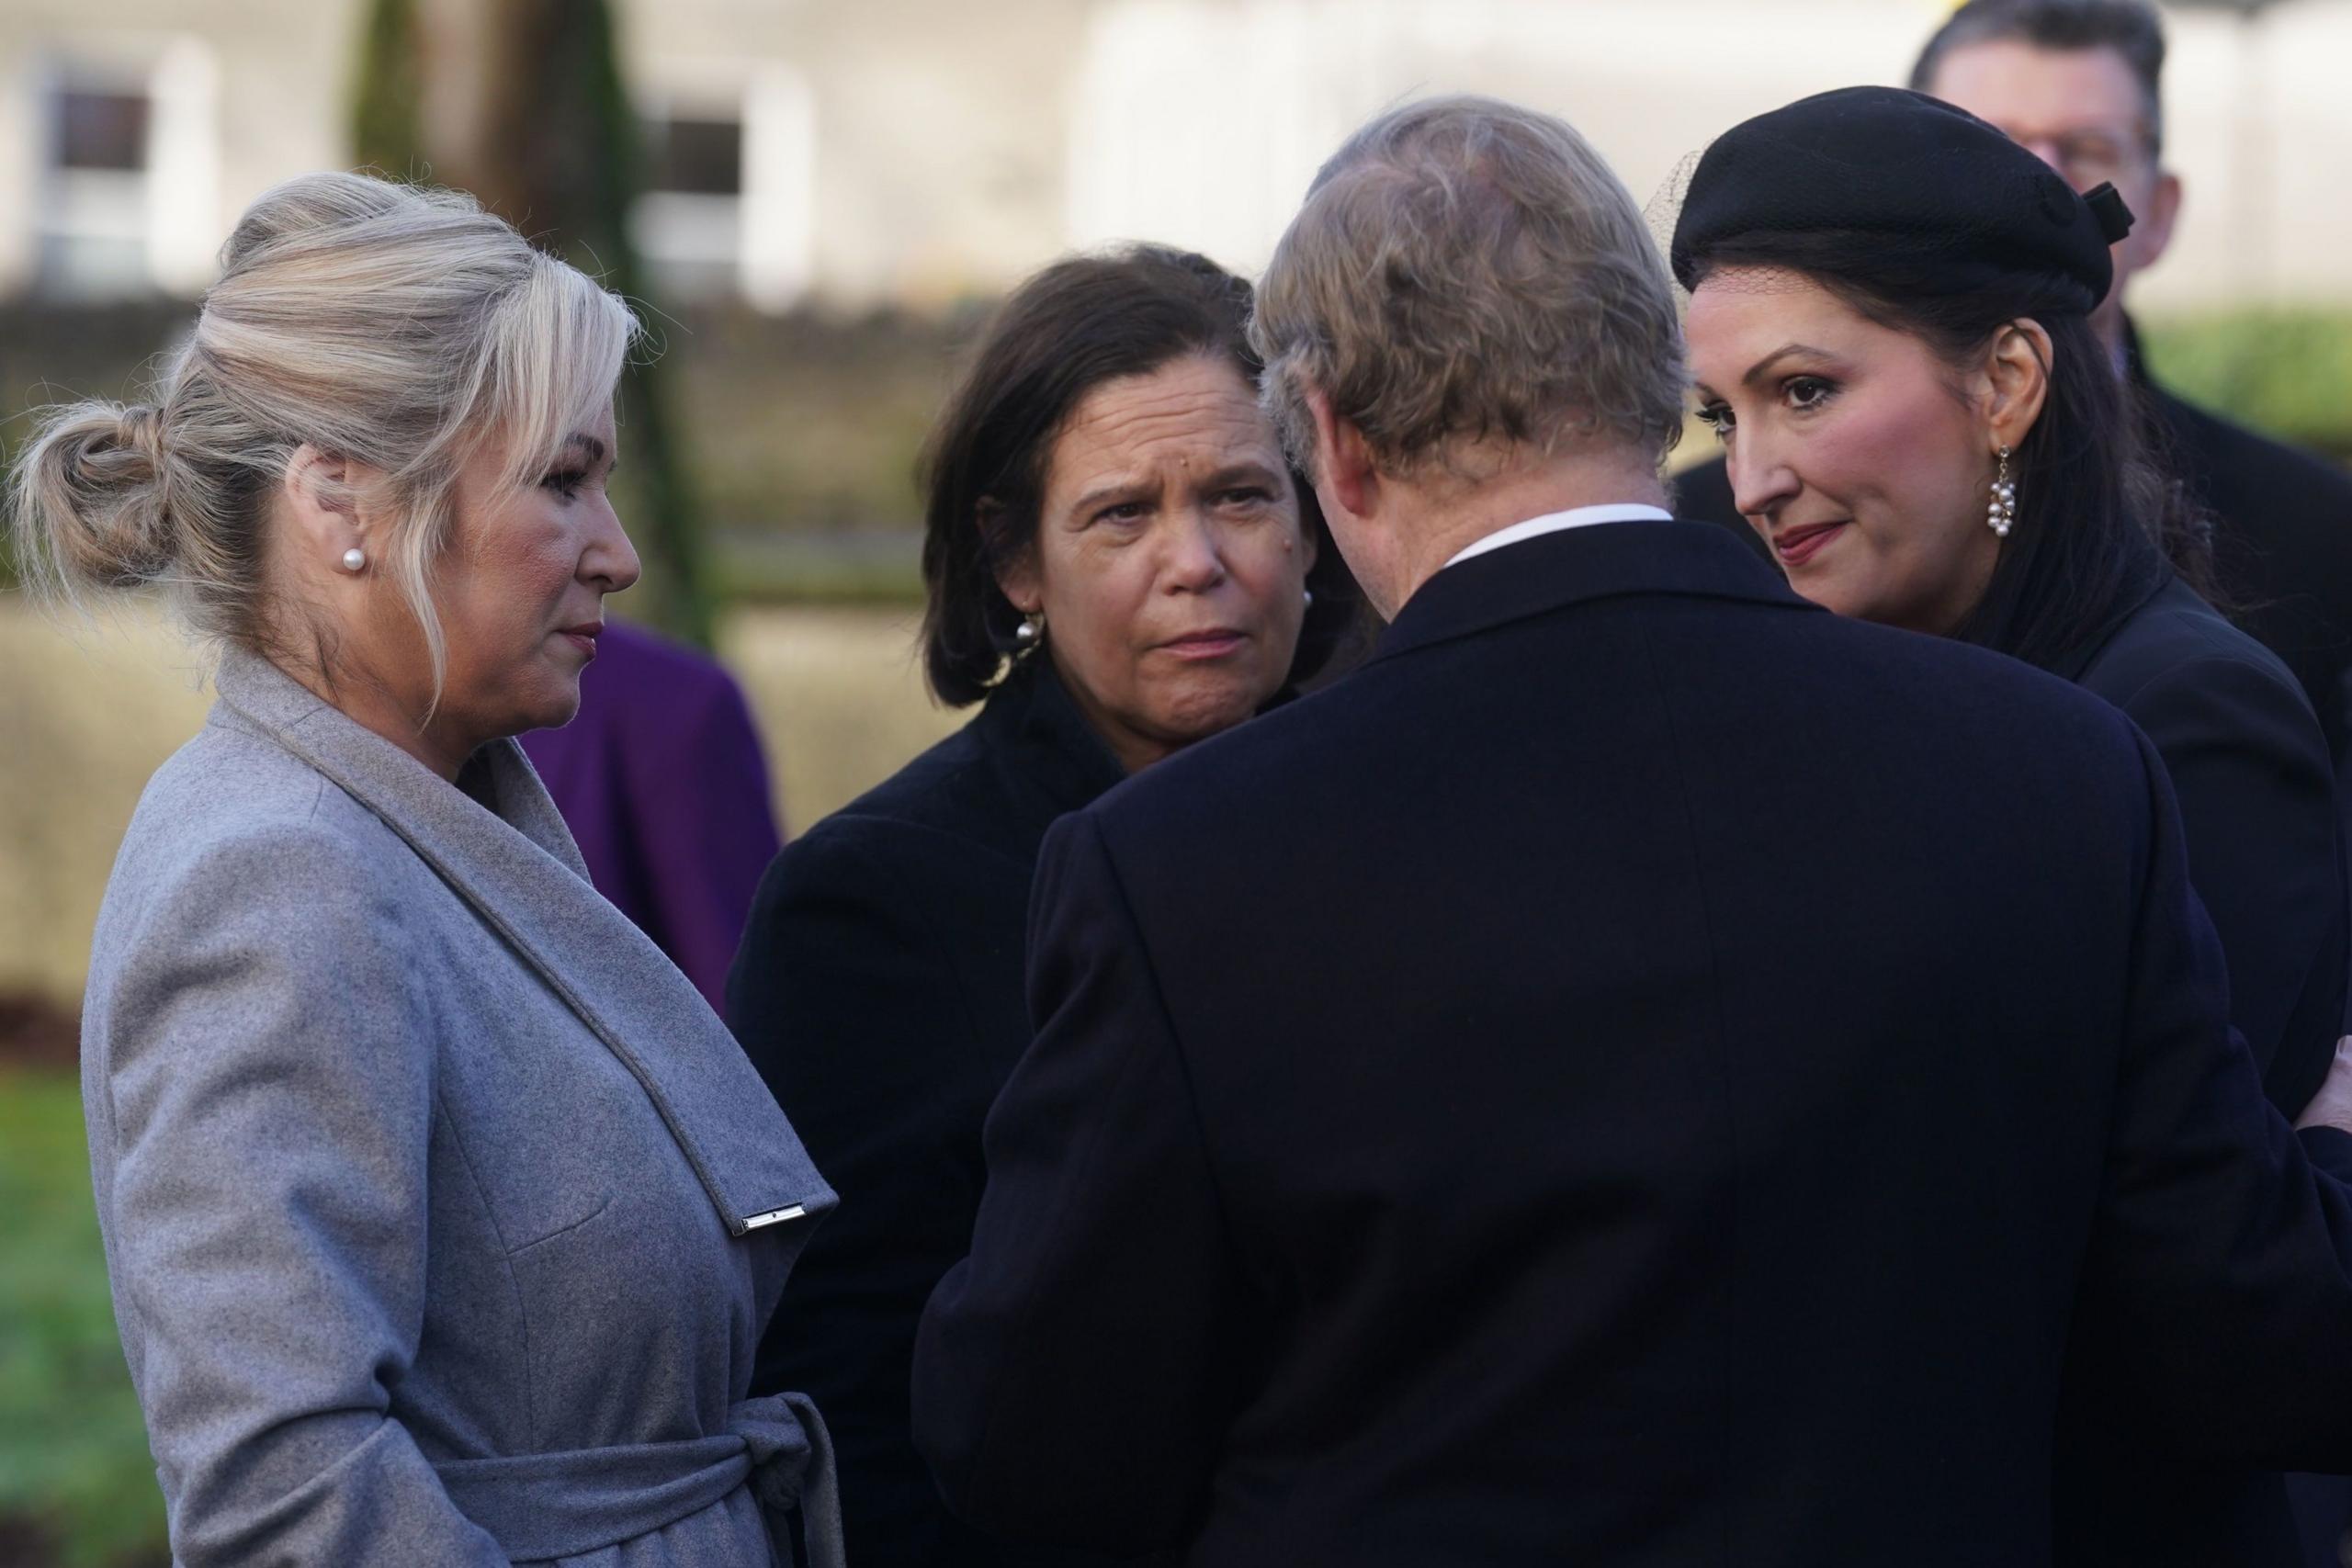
<point x="2079" y="82"/>
<point x="1643" y="1072"/>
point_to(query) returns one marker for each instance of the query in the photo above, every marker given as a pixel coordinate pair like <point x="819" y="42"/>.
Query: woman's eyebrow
<point x="1757" y="371"/>
<point x="1247" y="468"/>
<point x="1129" y="489"/>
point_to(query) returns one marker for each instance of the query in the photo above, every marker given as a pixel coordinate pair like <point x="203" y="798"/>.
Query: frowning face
<point x="1169" y="565"/>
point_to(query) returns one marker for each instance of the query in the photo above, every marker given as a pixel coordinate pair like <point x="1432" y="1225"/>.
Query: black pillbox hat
<point x="1942" y="200"/>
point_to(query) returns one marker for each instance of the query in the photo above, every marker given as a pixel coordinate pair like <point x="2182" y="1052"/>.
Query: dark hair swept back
<point x="2084" y="554"/>
<point x="1079" y="323"/>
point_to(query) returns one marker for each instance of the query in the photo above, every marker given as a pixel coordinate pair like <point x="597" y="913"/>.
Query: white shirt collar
<point x="1553" y="523"/>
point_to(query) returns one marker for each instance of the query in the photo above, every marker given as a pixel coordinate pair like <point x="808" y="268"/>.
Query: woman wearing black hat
<point x="1889" y="329"/>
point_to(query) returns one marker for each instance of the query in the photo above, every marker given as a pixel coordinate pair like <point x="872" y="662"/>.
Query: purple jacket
<point x="661" y="780"/>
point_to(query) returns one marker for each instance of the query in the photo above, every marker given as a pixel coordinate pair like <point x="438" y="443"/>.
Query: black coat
<point x="2250" y="770"/>
<point x="1643" y="1072"/>
<point x="2257" y="794"/>
<point x="879" y="993"/>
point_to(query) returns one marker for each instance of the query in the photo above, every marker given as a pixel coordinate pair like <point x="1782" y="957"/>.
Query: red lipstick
<point x="1797" y="546"/>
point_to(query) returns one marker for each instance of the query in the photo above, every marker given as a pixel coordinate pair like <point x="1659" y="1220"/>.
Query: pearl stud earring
<point x="353" y="559"/>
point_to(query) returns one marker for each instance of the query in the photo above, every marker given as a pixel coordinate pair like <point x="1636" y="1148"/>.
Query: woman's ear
<point x="2016" y="370"/>
<point x="324" y="494"/>
<point x="1017" y="578"/>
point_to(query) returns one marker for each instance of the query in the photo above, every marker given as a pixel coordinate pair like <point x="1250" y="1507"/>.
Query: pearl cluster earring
<point x="2002" y="514"/>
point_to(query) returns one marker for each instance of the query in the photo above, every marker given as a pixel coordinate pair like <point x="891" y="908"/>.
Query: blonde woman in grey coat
<point x="443" y="1216"/>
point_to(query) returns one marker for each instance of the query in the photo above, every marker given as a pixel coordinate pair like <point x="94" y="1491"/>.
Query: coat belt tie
<point x="539" y="1507"/>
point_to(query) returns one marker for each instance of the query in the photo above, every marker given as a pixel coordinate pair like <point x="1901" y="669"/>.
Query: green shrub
<point x="2288" y="372"/>
<point x="73" y="1458"/>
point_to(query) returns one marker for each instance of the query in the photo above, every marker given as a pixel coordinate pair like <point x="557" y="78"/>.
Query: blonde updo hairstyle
<point x="397" y="326"/>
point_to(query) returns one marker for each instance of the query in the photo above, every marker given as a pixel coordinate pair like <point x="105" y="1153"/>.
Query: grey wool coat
<point x="442" y="1215"/>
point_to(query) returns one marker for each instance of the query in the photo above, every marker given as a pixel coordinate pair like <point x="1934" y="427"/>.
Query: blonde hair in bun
<point x="392" y="324"/>
<point x="95" y="473"/>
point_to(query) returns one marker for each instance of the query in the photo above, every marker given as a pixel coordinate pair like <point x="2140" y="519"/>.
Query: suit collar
<point x="1606" y="561"/>
<point x="514" y="863"/>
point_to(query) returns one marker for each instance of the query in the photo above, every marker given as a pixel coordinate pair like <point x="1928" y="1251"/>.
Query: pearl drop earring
<point x="2001" y="516"/>
<point x="1032" y="626"/>
<point x="353" y="559"/>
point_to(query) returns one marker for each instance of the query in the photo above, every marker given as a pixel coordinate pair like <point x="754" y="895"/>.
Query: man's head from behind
<point x="1468" y="292"/>
<point x="2079" y="82"/>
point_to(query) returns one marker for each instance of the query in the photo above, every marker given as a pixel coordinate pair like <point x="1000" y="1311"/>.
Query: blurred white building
<point x="856" y="152"/>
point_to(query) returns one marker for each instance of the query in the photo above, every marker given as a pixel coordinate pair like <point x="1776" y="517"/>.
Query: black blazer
<point x="878" y="990"/>
<point x="1644" y="1072"/>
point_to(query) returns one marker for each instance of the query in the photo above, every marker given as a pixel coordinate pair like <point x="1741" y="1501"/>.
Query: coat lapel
<point x="522" y="873"/>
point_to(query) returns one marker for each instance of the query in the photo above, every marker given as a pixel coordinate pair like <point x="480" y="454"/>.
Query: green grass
<point x="74" y="1458"/>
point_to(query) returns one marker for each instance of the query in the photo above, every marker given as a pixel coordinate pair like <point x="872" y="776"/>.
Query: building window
<point x="93" y="216"/>
<point x="697" y="157"/>
<point x="127" y="202"/>
<point x="100" y="131"/>
<point x="688" y="224"/>
<point x="730" y="191"/>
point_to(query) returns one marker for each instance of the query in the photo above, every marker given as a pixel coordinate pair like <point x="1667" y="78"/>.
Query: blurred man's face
<point x="2082" y="112"/>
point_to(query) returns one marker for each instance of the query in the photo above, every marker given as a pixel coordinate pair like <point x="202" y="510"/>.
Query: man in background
<point x="2079" y="82"/>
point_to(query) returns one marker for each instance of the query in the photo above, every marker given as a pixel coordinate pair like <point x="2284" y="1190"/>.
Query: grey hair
<point x="1465" y="271"/>
<point x="2132" y="28"/>
<point x="400" y="327"/>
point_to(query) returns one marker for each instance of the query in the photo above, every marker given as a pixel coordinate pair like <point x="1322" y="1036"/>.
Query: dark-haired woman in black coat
<point x="1118" y="563"/>
<point x="1919" y="420"/>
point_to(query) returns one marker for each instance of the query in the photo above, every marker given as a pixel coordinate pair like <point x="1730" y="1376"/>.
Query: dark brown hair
<point x="1079" y="323"/>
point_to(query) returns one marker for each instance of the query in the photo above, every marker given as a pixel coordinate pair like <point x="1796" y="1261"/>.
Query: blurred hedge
<point x="2284" y="371"/>
<point x="801" y="424"/>
<point x="803" y="430"/>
